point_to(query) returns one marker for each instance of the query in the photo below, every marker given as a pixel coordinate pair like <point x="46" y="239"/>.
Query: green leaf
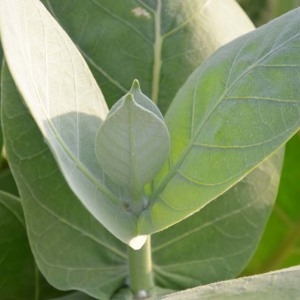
<point x="70" y="247"/>
<point x="132" y="144"/>
<point x="231" y="114"/>
<point x="280" y="246"/>
<point x="158" y="42"/>
<point x="280" y="285"/>
<point x="66" y="103"/>
<point x="217" y="242"/>
<point x="19" y="276"/>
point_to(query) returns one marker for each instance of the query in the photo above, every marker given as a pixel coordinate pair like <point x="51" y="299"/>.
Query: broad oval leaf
<point x="66" y="103"/>
<point x="132" y="143"/>
<point x="280" y="285"/>
<point x="231" y="114"/>
<point x="71" y="248"/>
<point x="217" y="242"/>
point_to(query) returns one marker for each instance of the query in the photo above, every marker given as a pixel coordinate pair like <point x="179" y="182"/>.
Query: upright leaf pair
<point x="131" y="146"/>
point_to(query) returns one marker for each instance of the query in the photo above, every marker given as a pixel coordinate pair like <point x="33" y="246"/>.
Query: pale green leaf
<point x="280" y="246"/>
<point x="66" y="103"/>
<point x="71" y="248"/>
<point x="158" y="42"/>
<point x="217" y="242"/>
<point x="280" y="285"/>
<point x="132" y="143"/>
<point x="231" y="114"/>
<point x="19" y="276"/>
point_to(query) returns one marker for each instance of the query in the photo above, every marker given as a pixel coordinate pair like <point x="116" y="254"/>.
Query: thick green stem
<point x="140" y="271"/>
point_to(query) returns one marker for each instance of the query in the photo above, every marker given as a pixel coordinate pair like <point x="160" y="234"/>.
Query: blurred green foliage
<point x="262" y="11"/>
<point x="254" y="9"/>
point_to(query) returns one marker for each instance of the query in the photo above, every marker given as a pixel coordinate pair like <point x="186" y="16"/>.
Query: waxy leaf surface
<point x="132" y="144"/>
<point x="66" y="103"/>
<point x="231" y="114"/>
<point x="71" y="248"/>
<point x="280" y="285"/>
<point x="219" y="239"/>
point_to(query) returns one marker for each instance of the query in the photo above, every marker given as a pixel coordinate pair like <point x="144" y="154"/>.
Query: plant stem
<point x="140" y="271"/>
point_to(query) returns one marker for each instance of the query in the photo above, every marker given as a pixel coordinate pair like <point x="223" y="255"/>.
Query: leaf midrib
<point x="100" y="187"/>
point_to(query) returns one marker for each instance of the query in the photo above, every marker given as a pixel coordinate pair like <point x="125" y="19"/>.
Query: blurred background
<point x="262" y="11"/>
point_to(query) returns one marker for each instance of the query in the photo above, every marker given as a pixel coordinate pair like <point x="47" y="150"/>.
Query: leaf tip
<point x="135" y="85"/>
